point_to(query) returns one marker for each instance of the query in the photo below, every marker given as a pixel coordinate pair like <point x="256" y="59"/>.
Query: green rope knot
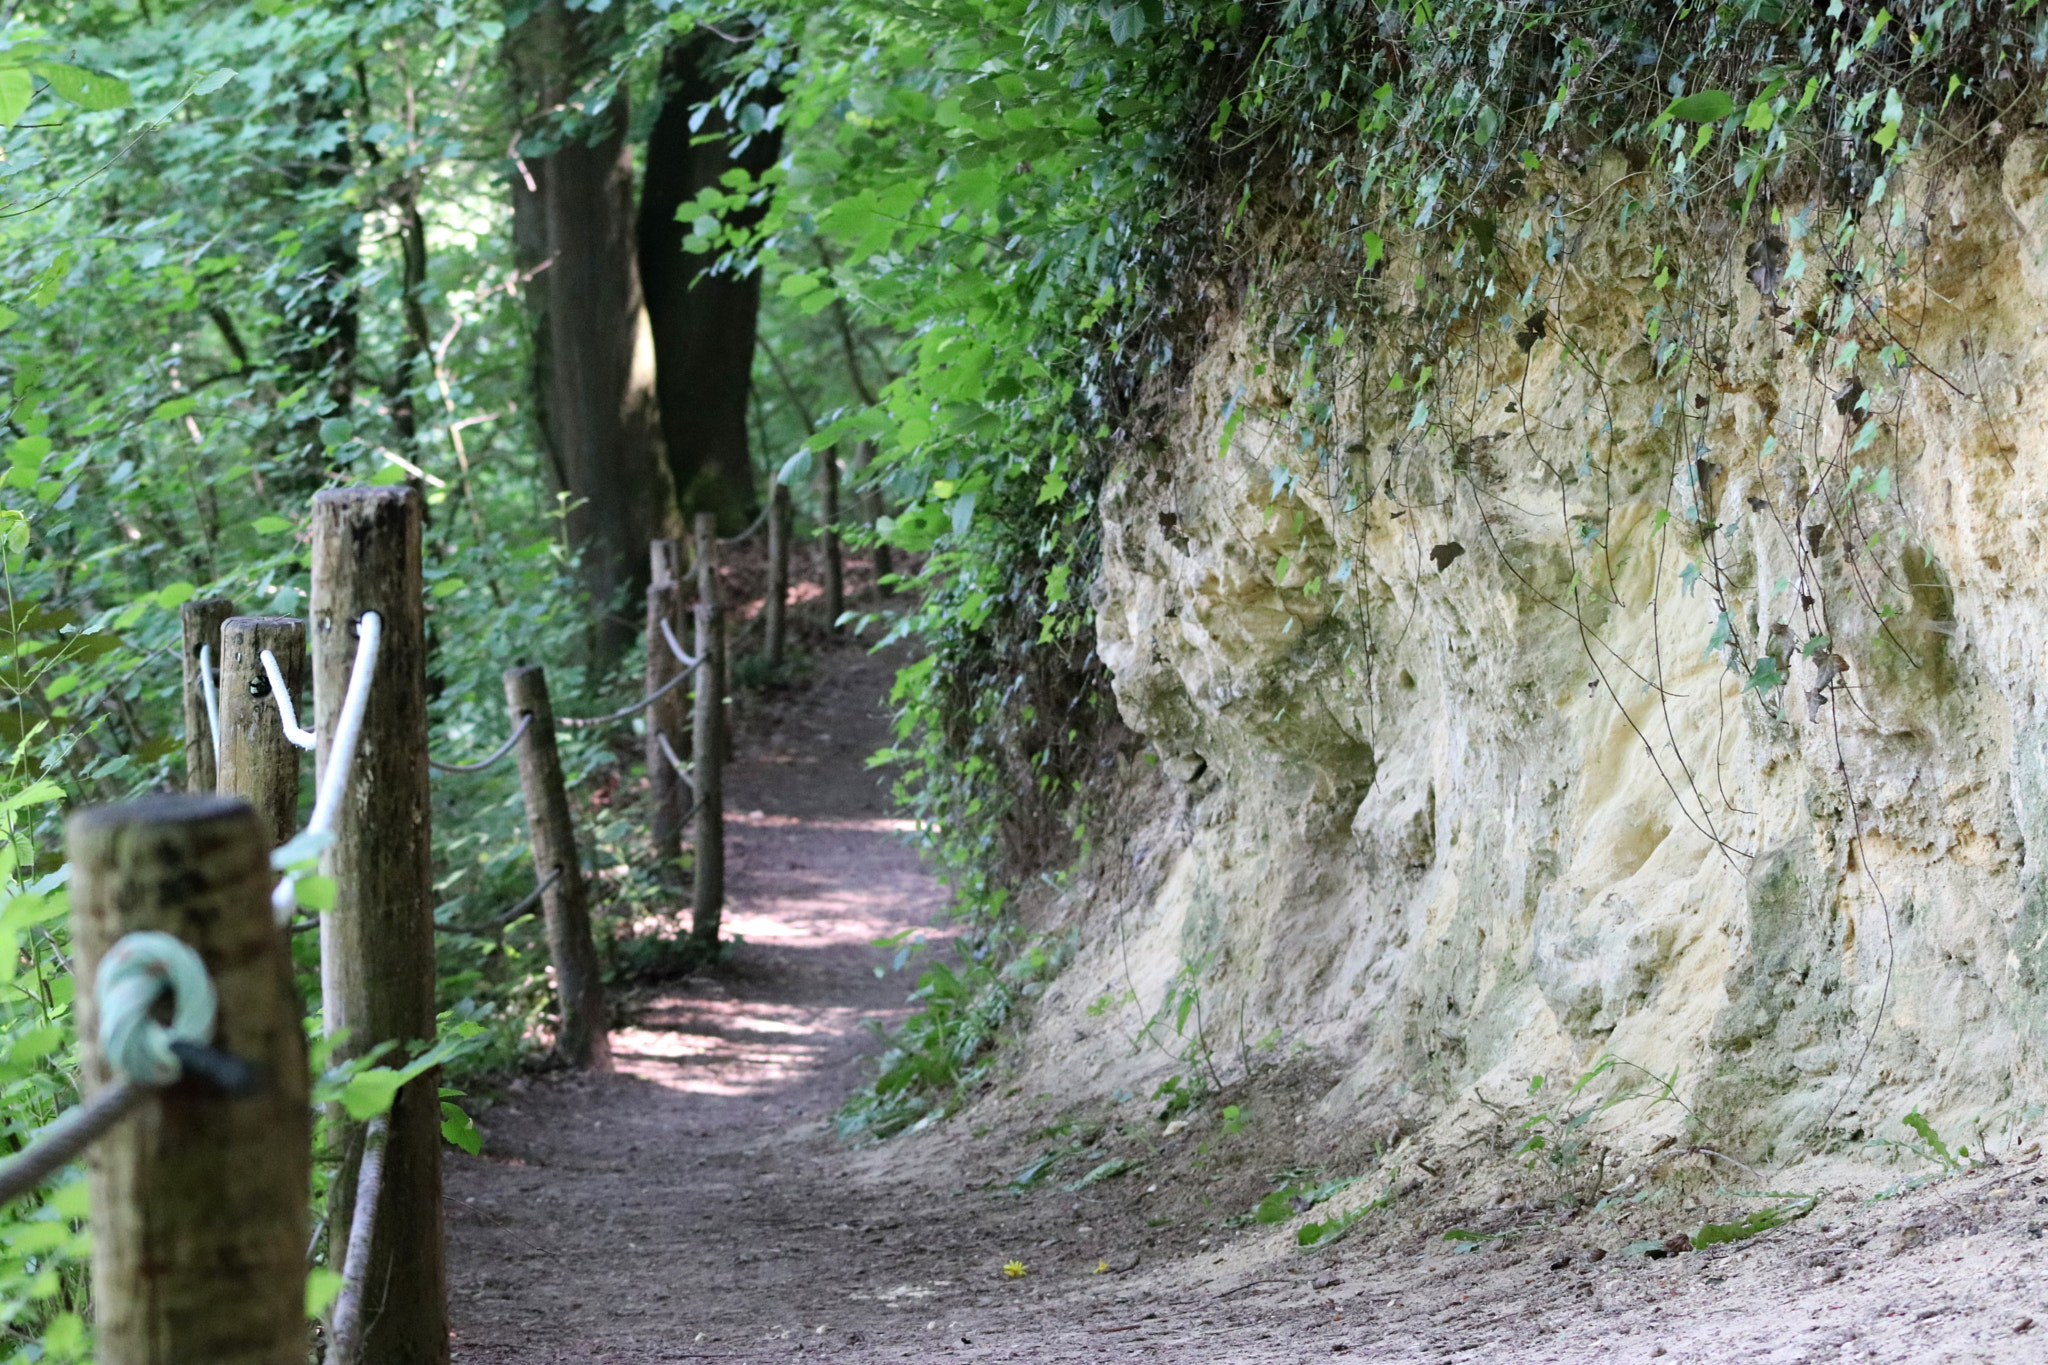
<point x="132" y="977"/>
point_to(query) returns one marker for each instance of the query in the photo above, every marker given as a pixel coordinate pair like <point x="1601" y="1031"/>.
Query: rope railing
<point x="146" y="1055"/>
<point x="526" y="902"/>
<point x="675" y="647"/>
<point x="345" y="1345"/>
<point x="525" y="720"/>
<point x="286" y="715"/>
<point x="683" y="770"/>
<point x="332" y="782"/>
<point x="747" y="534"/>
<point x="206" y="690"/>
<point x="632" y="708"/>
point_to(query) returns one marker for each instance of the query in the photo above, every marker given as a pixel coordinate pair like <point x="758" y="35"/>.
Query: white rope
<point x="70" y="1133"/>
<point x="525" y="719"/>
<point x="212" y="701"/>
<point x="683" y="770"/>
<point x="132" y="978"/>
<point x="632" y="708"/>
<point x="746" y="534"/>
<point x="341" y="755"/>
<point x="675" y="648"/>
<point x="287" y="716"/>
<point x="332" y="782"/>
<point x="345" y="1334"/>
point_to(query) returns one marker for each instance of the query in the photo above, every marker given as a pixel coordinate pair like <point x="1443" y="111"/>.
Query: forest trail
<point x="697" y="1206"/>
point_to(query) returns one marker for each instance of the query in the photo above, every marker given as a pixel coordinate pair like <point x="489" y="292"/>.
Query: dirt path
<point x="697" y="1207"/>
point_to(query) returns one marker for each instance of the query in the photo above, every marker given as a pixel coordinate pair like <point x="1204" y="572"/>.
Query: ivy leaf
<point x="17" y="88"/>
<point x="457" y="1129"/>
<point x="1446" y="554"/>
<point x="323" y="1286"/>
<point x="86" y="89"/>
<point x="1708" y="106"/>
<point x="1126" y="23"/>
<point x="370" y="1093"/>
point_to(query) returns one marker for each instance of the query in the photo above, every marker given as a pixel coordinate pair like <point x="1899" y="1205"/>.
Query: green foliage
<point x="943" y="1052"/>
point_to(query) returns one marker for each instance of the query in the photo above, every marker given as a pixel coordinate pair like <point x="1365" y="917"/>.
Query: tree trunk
<point x="572" y="212"/>
<point x="320" y="304"/>
<point x="703" y="323"/>
<point x="871" y="511"/>
<point x="828" y="537"/>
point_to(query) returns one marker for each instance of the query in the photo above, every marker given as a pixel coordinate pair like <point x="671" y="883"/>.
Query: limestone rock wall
<point x="1453" y="825"/>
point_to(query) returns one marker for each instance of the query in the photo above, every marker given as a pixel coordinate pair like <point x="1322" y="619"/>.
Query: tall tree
<point x="318" y="301"/>
<point x="572" y="222"/>
<point x="704" y="320"/>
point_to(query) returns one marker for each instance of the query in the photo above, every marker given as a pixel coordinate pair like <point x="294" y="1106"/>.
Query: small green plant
<point x="1931" y="1148"/>
<point x="942" y="1051"/>
<point x="1558" y="1140"/>
<point x="1311" y="1236"/>
<point x="1795" y="1207"/>
<point x="1292" y="1199"/>
<point x="1179" y="1094"/>
<point x="1465" y="1240"/>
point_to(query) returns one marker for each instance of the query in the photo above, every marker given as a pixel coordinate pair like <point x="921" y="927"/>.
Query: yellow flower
<point x="1013" y="1270"/>
<point x="1102" y="1267"/>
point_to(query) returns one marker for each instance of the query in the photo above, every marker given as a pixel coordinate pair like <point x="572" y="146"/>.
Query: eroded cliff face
<point x="1456" y="784"/>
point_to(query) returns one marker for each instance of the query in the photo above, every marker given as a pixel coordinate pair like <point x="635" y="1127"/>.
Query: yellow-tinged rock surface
<point x="1453" y="818"/>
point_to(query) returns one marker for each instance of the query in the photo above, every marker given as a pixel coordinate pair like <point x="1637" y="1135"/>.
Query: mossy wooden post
<point x="198" y="1200"/>
<point x="257" y="763"/>
<point x="377" y="943"/>
<point x="670" y="714"/>
<point x="708" y="742"/>
<point x="828" y="538"/>
<point x="201" y="621"/>
<point x="579" y="987"/>
<point x="775" y="610"/>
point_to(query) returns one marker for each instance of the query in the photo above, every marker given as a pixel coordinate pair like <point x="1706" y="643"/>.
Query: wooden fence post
<point x="257" y="763"/>
<point x="198" y="1200"/>
<point x="775" y="611"/>
<point x="708" y="742"/>
<point x="201" y="621"/>
<point x="835" y="569"/>
<point x="377" y="942"/>
<point x="670" y="714"/>
<point x="585" y="1039"/>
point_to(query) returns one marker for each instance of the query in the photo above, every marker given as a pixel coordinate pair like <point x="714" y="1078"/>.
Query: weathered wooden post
<point x="670" y="714"/>
<point x="257" y="762"/>
<point x="201" y="621"/>
<point x="377" y="942"/>
<point x="775" y="610"/>
<point x="585" y="1039"/>
<point x="198" y="1199"/>
<point x="835" y="569"/>
<point x="708" y="742"/>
